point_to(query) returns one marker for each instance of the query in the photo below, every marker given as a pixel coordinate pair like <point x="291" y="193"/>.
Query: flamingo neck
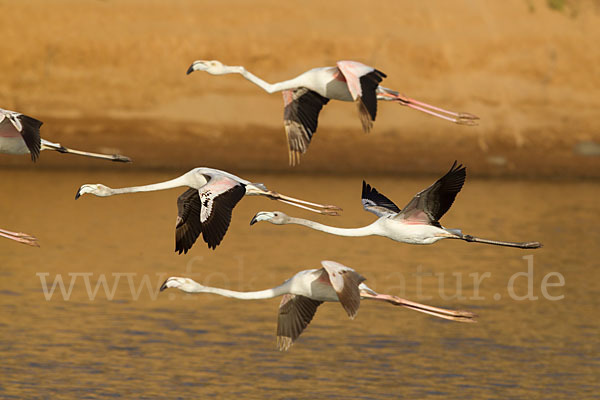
<point x="362" y="231"/>
<point x="184" y="180"/>
<point x="261" y="294"/>
<point x="268" y="87"/>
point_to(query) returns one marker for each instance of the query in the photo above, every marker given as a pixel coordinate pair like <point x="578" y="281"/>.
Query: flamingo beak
<point x="262" y="216"/>
<point x="198" y="65"/>
<point x="164" y="285"/>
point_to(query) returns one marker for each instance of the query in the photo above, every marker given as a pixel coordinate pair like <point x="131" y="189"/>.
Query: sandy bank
<point x="108" y="75"/>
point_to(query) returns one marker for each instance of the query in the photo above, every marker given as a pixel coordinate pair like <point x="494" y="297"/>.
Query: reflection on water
<point x="132" y="341"/>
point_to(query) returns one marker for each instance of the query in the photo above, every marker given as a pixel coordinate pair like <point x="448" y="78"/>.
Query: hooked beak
<point x="262" y="216"/>
<point x="78" y="194"/>
<point x="164" y="285"/>
<point x="199" y="66"/>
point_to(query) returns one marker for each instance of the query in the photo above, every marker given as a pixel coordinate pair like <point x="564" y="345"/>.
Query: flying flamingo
<point x="306" y="94"/>
<point x="207" y="206"/>
<point x="20" y="237"/>
<point x="306" y="290"/>
<point x="20" y="134"/>
<point x="417" y="223"/>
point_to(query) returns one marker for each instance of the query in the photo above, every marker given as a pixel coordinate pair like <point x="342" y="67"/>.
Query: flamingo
<point x="207" y="206"/>
<point x="306" y="94"/>
<point x="20" y="134"/>
<point x="20" y="237"/>
<point x="308" y="289"/>
<point x="417" y="223"/>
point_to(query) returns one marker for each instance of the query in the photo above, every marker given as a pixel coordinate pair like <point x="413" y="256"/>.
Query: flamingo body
<point x="20" y="134"/>
<point x="13" y="145"/>
<point x="327" y="81"/>
<point x="304" y="292"/>
<point x="314" y="284"/>
<point x="305" y="95"/>
<point x="207" y="206"/>
<point x="410" y="233"/>
<point x="417" y="223"/>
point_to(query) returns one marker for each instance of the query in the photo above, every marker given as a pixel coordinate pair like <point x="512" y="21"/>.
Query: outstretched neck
<point x="268" y="87"/>
<point x="261" y="294"/>
<point x="362" y="231"/>
<point x="184" y="180"/>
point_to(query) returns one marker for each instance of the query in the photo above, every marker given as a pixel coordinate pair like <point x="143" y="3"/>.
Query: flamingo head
<point x="274" y="217"/>
<point x="185" y="284"/>
<point x="97" y="189"/>
<point x="213" y="67"/>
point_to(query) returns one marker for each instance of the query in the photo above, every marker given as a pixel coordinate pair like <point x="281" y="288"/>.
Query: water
<point x="135" y="343"/>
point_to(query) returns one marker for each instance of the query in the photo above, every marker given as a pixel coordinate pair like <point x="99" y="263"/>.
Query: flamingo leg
<point x="453" y="315"/>
<point x="61" y="149"/>
<point x="520" y="245"/>
<point x="458" y="118"/>
<point x="20" y="237"/>
<point x="324" y="212"/>
<point x="328" y="209"/>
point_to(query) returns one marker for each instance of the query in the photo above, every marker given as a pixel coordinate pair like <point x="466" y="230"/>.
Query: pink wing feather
<point x="352" y="71"/>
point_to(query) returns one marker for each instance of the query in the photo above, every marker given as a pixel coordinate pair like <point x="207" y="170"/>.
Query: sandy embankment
<point x="108" y="75"/>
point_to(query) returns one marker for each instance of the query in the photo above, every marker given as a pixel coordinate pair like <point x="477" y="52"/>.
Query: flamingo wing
<point x="362" y="82"/>
<point x="300" y="119"/>
<point x="344" y="281"/>
<point x="217" y="199"/>
<point x="295" y="313"/>
<point x="27" y="127"/>
<point x="377" y="203"/>
<point x="429" y="205"/>
<point x="188" y="226"/>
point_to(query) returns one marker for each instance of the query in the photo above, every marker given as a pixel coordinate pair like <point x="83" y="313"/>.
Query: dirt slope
<point x="110" y="75"/>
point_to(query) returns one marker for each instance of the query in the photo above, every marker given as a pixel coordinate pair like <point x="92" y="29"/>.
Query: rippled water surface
<point x="127" y="340"/>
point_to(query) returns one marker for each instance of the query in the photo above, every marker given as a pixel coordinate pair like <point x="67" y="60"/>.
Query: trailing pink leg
<point x="20" y="237"/>
<point x="458" y="118"/>
<point x="453" y="315"/>
<point x="328" y="209"/>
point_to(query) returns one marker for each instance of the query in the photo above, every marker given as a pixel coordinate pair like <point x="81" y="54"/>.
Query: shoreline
<point x="333" y="151"/>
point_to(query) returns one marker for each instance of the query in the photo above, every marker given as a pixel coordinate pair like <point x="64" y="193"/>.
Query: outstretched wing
<point x="377" y="203"/>
<point x="429" y="205"/>
<point x="13" y="124"/>
<point x="207" y="211"/>
<point x="362" y="83"/>
<point x="295" y="313"/>
<point x="300" y="119"/>
<point x="344" y="281"/>
<point x="188" y="226"/>
<point x="217" y="199"/>
<point x="31" y="135"/>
